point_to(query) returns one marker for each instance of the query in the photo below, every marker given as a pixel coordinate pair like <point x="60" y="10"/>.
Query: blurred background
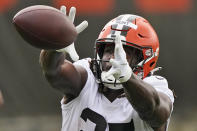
<point x="30" y="104"/>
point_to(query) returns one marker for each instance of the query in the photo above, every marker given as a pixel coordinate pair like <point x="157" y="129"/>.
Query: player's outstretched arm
<point x="62" y="74"/>
<point x="152" y="106"/>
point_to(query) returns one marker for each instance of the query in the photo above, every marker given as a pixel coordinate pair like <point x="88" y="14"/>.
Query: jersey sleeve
<point x="161" y="85"/>
<point x="89" y="90"/>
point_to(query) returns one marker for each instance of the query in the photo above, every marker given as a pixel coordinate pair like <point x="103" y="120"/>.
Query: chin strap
<point x="156" y="69"/>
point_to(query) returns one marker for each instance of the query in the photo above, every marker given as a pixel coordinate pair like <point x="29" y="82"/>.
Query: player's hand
<point x="71" y="48"/>
<point x="120" y="69"/>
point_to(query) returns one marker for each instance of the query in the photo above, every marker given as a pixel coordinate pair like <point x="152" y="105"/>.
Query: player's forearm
<point x="143" y="97"/>
<point x="61" y="74"/>
<point x="51" y="61"/>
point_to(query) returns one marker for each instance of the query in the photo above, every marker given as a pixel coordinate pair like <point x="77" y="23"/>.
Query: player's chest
<point x="102" y="115"/>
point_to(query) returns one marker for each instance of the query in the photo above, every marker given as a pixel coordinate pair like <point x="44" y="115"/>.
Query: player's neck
<point x="111" y="95"/>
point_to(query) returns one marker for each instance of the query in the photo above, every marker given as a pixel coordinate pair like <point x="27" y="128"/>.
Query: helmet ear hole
<point x="152" y="63"/>
<point x="140" y="35"/>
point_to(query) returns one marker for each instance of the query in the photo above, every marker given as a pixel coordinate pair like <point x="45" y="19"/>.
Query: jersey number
<point x="101" y="123"/>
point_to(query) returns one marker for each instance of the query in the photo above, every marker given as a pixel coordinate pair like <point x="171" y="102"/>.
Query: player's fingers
<point x="63" y="9"/>
<point x="82" y="26"/>
<point x="114" y="63"/>
<point x="118" y="44"/>
<point x="119" y="52"/>
<point x="72" y="13"/>
<point x="72" y="52"/>
<point x="113" y="71"/>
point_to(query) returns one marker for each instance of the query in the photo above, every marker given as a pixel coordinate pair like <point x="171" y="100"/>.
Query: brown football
<point x="45" y="27"/>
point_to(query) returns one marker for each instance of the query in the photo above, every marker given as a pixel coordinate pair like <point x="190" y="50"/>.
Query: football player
<point x="117" y="90"/>
<point x="1" y="99"/>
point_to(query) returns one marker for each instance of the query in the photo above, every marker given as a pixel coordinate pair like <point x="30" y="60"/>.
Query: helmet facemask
<point x="136" y="52"/>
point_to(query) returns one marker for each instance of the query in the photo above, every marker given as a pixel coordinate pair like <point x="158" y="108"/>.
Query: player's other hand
<point x="71" y="48"/>
<point x="1" y="99"/>
<point x="120" y="69"/>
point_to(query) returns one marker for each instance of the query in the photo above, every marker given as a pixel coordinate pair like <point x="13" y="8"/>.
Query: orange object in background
<point x="6" y="4"/>
<point x="164" y="6"/>
<point x="88" y="7"/>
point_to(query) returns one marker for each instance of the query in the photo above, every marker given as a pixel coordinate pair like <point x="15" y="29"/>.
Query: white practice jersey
<point x="92" y="111"/>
